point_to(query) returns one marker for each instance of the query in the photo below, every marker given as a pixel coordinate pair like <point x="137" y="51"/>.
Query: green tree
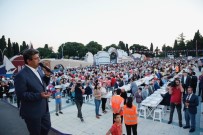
<point x="121" y="45"/>
<point x="93" y="47"/>
<point x="127" y="49"/>
<point x="151" y="47"/>
<point x="2" y="48"/>
<point x="179" y="45"/>
<point x="197" y="42"/>
<point x="175" y="48"/>
<point x="9" y="49"/>
<point x="138" y="48"/>
<point x="112" y="45"/>
<point x="15" y="48"/>
<point x="72" y="49"/>
<point x="23" y="46"/>
<point x="166" y="49"/>
<point x="46" y="52"/>
<point x="157" y="51"/>
<point x="190" y="46"/>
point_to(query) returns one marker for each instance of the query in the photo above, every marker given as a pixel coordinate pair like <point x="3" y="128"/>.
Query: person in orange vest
<point x="117" y="103"/>
<point x="130" y="116"/>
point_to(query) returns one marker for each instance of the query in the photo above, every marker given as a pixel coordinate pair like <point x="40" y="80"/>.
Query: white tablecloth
<point x="138" y="82"/>
<point x="151" y="103"/>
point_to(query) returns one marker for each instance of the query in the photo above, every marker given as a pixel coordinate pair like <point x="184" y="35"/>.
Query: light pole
<point x="2" y="53"/>
<point x="62" y="50"/>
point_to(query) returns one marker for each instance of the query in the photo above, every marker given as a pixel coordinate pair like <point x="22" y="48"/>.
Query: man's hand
<point x="45" y="94"/>
<point x="46" y="72"/>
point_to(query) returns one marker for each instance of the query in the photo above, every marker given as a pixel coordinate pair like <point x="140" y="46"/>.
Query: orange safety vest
<point x="116" y="103"/>
<point x="130" y="115"/>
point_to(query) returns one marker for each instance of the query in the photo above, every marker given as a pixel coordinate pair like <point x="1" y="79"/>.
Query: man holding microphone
<point x="30" y="87"/>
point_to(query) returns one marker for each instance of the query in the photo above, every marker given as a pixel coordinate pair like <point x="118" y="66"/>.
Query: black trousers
<point x="178" y="108"/>
<point x="114" y="116"/>
<point x="199" y="67"/>
<point x="194" y="89"/>
<point x="79" y="107"/>
<point x="39" y="126"/>
<point x="133" y="127"/>
<point x="200" y="92"/>
<point x="104" y="103"/>
<point x="185" y="90"/>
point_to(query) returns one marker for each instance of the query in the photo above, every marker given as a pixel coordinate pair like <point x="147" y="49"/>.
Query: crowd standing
<point x="98" y="81"/>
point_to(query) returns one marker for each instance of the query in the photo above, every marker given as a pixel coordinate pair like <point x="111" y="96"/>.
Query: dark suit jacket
<point x="188" y="79"/>
<point x="156" y="86"/>
<point x="28" y="89"/>
<point x="193" y="103"/>
<point x="201" y="83"/>
<point x="193" y="81"/>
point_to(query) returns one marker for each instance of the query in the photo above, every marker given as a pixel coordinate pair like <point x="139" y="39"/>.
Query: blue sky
<point x="54" y="22"/>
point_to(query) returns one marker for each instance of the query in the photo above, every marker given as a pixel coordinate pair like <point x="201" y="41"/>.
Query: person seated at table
<point x="157" y="84"/>
<point x="158" y="74"/>
<point x="151" y="86"/>
<point x="150" y="89"/>
<point x="145" y="93"/>
<point x="166" y="97"/>
<point x="164" y="80"/>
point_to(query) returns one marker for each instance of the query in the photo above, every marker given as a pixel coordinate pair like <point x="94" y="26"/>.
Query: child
<point x="58" y="96"/>
<point x="116" y="128"/>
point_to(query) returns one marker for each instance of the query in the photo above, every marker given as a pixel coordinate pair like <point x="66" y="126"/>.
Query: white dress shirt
<point x="35" y="72"/>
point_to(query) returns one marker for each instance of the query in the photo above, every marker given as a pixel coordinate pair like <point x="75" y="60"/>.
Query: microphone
<point x="46" y="68"/>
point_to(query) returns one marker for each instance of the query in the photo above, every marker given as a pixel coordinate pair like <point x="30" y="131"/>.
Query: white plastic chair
<point x="143" y="112"/>
<point x="163" y="109"/>
<point x="84" y="97"/>
<point x="157" y="115"/>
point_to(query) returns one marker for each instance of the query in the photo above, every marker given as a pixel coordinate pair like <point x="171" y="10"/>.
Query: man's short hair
<point x="118" y="91"/>
<point x="117" y="114"/>
<point x="27" y="54"/>
<point x="190" y="87"/>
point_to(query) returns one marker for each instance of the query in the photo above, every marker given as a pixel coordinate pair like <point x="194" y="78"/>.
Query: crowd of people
<point x="98" y="81"/>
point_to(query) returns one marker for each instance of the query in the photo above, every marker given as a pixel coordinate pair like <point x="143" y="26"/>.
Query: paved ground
<point x="68" y="122"/>
<point x="11" y="123"/>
